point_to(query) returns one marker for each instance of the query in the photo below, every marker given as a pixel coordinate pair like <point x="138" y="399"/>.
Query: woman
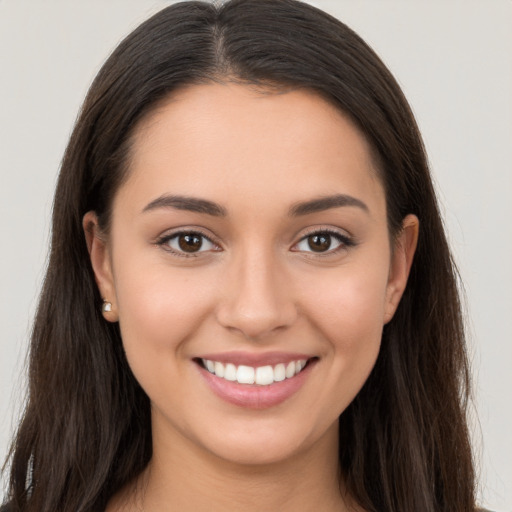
<point x="250" y="300"/>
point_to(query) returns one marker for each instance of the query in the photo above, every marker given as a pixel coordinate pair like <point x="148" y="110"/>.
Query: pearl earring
<point x="106" y="307"/>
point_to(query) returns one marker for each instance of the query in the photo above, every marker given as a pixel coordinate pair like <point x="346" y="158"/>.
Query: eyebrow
<point x="326" y="203"/>
<point x="194" y="204"/>
<point x="191" y="204"/>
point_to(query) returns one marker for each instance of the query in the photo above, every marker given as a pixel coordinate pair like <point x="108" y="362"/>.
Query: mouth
<point x="258" y="383"/>
<point x="260" y="375"/>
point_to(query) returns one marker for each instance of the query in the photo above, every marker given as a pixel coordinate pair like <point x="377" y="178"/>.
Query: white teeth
<point x="230" y="372"/>
<point x="299" y="365"/>
<point x="244" y="375"/>
<point x="279" y="373"/>
<point x="290" y="370"/>
<point x="219" y="369"/>
<point x="262" y="375"/>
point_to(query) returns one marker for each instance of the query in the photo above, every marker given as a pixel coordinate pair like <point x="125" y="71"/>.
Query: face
<point x="250" y="268"/>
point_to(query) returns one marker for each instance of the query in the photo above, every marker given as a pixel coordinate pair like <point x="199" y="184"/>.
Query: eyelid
<point x="346" y="240"/>
<point x="163" y="240"/>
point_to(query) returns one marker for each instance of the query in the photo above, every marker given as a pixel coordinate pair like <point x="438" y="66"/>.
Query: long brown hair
<point x="86" y="430"/>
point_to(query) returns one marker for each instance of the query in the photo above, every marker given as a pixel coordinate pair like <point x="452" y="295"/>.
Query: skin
<point x="258" y="287"/>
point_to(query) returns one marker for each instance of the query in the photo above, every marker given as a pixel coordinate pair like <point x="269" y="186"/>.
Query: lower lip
<point x="253" y="396"/>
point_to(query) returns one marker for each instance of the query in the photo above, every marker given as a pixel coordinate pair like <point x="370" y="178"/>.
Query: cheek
<point x="160" y="310"/>
<point x="159" y="307"/>
<point x="346" y="314"/>
<point x="350" y="308"/>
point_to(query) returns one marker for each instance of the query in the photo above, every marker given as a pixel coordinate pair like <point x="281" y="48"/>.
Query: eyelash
<point x="345" y="242"/>
<point x="164" y="241"/>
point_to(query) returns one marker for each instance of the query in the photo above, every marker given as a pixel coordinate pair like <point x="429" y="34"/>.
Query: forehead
<point x="218" y="140"/>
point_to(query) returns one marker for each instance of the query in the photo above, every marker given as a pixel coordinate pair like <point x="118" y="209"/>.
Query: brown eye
<point x="319" y="242"/>
<point x="190" y="242"/>
<point x="323" y="242"/>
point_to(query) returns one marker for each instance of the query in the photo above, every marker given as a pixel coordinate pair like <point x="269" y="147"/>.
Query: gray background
<point x="453" y="60"/>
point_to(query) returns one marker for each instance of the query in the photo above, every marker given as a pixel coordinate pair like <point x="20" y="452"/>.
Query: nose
<point x="256" y="299"/>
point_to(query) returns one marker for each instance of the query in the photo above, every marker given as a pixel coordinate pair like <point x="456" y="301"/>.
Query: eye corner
<point x="202" y="245"/>
<point x="326" y="238"/>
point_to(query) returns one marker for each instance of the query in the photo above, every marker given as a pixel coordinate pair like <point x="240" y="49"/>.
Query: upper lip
<point x="255" y="359"/>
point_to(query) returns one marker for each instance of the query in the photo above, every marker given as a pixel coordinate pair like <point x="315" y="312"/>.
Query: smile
<point x="255" y="381"/>
<point x="261" y="375"/>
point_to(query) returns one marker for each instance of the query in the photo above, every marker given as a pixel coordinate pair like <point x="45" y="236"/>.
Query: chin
<point x="263" y="452"/>
<point x="268" y="443"/>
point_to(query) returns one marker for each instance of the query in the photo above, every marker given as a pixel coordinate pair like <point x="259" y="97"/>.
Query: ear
<point x="401" y="261"/>
<point x="101" y="263"/>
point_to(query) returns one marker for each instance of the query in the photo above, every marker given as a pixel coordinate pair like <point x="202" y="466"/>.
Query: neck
<point x="183" y="477"/>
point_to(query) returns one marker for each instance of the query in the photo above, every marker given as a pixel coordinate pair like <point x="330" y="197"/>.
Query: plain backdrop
<point x="453" y="60"/>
